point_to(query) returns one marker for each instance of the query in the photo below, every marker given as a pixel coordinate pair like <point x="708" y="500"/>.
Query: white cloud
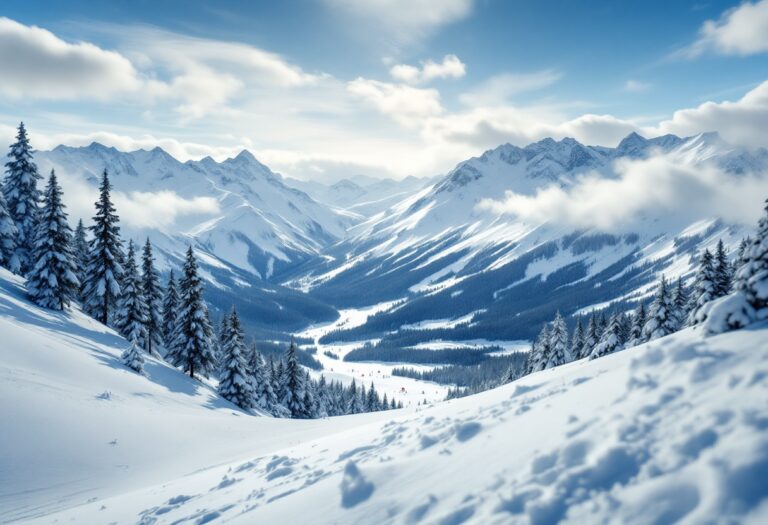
<point x="500" y="88"/>
<point x="636" y="86"/>
<point x="658" y="185"/>
<point x="450" y="67"/>
<point x="406" y="104"/>
<point x="406" y="20"/>
<point x="742" y="122"/>
<point x="160" y="209"/>
<point x="742" y="30"/>
<point x="35" y="63"/>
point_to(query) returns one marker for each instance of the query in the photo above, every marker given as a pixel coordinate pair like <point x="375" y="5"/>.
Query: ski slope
<point x="671" y="431"/>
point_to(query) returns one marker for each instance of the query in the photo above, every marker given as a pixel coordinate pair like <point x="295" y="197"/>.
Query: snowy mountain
<point x="670" y="431"/>
<point x="256" y="223"/>
<point x="446" y="257"/>
<point x="364" y="196"/>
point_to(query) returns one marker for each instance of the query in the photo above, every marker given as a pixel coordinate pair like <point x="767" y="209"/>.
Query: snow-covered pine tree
<point x="80" y="253"/>
<point x="591" y="338"/>
<point x="753" y="275"/>
<point x="293" y="387"/>
<point x="22" y="196"/>
<point x="51" y="279"/>
<point x="539" y="356"/>
<point x="353" y="399"/>
<point x="192" y="347"/>
<point x="170" y="311"/>
<point x="309" y="405"/>
<point x="8" y="234"/>
<point x="610" y="340"/>
<point x="131" y="313"/>
<point x="372" y="401"/>
<point x="661" y="319"/>
<point x="722" y="269"/>
<point x="577" y="339"/>
<point x="625" y="321"/>
<point x="153" y="296"/>
<point x="101" y="288"/>
<point x="680" y="302"/>
<point x="263" y="395"/>
<point x="132" y="358"/>
<point x="559" y="353"/>
<point x="638" y="322"/>
<point x="235" y="382"/>
<point x="322" y="395"/>
<point x="704" y="289"/>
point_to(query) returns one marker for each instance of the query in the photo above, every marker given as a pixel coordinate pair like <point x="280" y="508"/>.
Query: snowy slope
<point x="260" y="226"/>
<point x="671" y="431"/>
<point x="78" y="424"/>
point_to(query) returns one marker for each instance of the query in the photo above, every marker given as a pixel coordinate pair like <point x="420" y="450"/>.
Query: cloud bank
<point x="661" y="186"/>
<point x="450" y="67"/>
<point x="742" y="30"/>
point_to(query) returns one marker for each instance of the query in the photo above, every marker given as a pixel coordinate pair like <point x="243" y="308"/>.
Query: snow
<point x="670" y="430"/>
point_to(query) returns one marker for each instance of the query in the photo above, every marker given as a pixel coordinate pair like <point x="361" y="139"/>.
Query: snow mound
<point x="673" y="430"/>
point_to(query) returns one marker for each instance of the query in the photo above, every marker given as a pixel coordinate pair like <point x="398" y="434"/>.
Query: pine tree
<point x="309" y="404"/>
<point x="8" y="234"/>
<point x="704" y="289"/>
<point x="372" y="401"/>
<point x="322" y="397"/>
<point x="753" y="275"/>
<point x="626" y="327"/>
<point x="132" y="358"/>
<point x="558" y="343"/>
<point x="192" y="347"/>
<point x="235" y="382"/>
<point x="610" y="340"/>
<point x="353" y="399"/>
<point x="131" y="314"/>
<point x="22" y="197"/>
<point x="52" y="280"/>
<point x="170" y="311"/>
<point x="101" y="288"/>
<point x="661" y="319"/>
<point x="577" y="340"/>
<point x="680" y="302"/>
<point x="153" y="296"/>
<point x="293" y="388"/>
<point x="539" y="356"/>
<point x="80" y="253"/>
<point x="722" y="269"/>
<point x="263" y="394"/>
<point x="590" y="339"/>
<point x="638" y="322"/>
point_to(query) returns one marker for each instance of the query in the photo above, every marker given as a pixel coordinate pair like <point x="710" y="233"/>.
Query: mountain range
<point x="298" y="251"/>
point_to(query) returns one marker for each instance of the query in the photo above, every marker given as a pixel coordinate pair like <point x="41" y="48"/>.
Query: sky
<point x="322" y="89"/>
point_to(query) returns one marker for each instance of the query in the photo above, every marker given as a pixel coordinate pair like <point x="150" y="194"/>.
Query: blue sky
<point x="384" y="87"/>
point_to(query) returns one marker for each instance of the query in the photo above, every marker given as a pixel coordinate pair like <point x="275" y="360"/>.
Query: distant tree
<point x="558" y="343"/>
<point x="80" y="253"/>
<point x="293" y="388"/>
<point x="22" y="197"/>
<point x="638" y="322"/>
<point x="704" y="289"/>
<point x="753" y="274"/>
<point x="131" y="314"/>
<point x="590" y="339"/>
<point x="372" y="402"/>
<point x="170" y="311"/>
<point x="51" y="279"/>
<point x="539" y="356"/>
<point x="192" y="348"/>
<point x="723" y="271"/>
<point x="235" y="382"/>
<point x="610" y="340"/>
<point x="577" y="339"/>
<point x="263" y="394"/>
<point x="680" y="302"/>
<point x="153" y="296"/>
<point x="132" y="357"/>
<point x="8" y="234"/>
<point x="101" y="288"/>
<point x="661" y="319"/>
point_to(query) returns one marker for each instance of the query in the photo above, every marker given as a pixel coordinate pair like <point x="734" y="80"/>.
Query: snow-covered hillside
<point x="670" y="431"/>
<point x="451" y="257"/>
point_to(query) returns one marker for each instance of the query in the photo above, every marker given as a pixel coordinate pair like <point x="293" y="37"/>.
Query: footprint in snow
<point x="355" y="489"/>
